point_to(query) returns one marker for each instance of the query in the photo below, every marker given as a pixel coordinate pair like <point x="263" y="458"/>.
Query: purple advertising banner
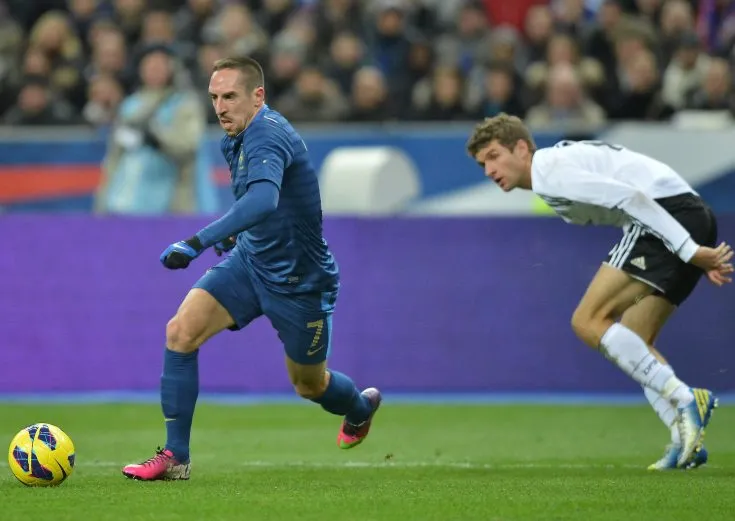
<point x="427" y="305"/>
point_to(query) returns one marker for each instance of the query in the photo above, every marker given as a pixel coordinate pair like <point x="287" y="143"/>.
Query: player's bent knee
<point x="198" y="318"/>
<point x="588" y="328"/>
<point x="181" y="337"/>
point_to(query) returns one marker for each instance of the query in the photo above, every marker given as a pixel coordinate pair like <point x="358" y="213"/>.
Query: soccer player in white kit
<point x="669" y="241"/>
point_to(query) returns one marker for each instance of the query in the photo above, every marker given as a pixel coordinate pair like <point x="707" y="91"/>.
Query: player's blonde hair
<point x="506" y="129"/>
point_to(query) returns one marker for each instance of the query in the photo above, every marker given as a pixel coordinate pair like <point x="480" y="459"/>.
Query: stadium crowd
<point x="74" y="61"/>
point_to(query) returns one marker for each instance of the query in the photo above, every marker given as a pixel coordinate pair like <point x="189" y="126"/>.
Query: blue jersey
<point x="286" y="250"/>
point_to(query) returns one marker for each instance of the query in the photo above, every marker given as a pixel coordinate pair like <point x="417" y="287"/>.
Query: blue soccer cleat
<point x="692" y="420"/>
<point x="700" y="458"/>
<point x="670" y="459"/>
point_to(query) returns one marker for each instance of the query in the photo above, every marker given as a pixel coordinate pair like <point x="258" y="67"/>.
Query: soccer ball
<point x="41" y="455"/>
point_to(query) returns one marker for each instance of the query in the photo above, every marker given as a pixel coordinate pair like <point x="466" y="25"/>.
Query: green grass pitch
<point x="421" y="462"/>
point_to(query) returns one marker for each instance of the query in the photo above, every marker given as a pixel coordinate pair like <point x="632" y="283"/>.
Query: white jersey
<point x="592" y="182"/>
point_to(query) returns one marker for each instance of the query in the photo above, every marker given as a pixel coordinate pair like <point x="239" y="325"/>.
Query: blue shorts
<point x="303" y="321"/>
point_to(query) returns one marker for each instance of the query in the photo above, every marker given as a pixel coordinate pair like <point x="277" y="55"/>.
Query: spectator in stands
<point x="54" y="36"/>
<point x="11" y="46"/>
<point x="685" y="72"/>
<point x="82" y="16"/>
<point x="240" y="33"/>
<point x="562" y="49"/>
<point x="421" y="63"/>
<point x="444" y="13"/>
<point x="100" y="25"/>
<point x="600" y="42"/>
<point x="647" y="11"/>
<point x="632" y="37"/>
<point x="275" y="14"/>
<point x="382" y="54"/>
<point x="110" y="56"/>
<point x="336" y="16"/>
<point x="128" y="16"/>
<point x="641" y="99"/>
<point x="104" y="97"/>
<point x="500" y="93"/>
<point x="314" y="98"/>
<point x="442" y="98"/>
<point x="566" y="103"/>
<point x="506" y="50"/>
<point x="677" y="19"/>
<point x="155" y="162"/>
<point x="370" y="100"/>
<point x="300" y="30"/>
<point x="287" y="57"/>
<point x="191" y="19"/>
<point x="570" y="18"/>
<point x="390" y="43"/>
<point x="469" y="42"/>
<point x="36" y="63"/>
<point x="715" y="93"/>
<point x="506" y="45"/>
<point x="36" y="106"/>
<point x="158" y="28"/>
<point x="538" y="29"/>
<point x="346" y="56"/>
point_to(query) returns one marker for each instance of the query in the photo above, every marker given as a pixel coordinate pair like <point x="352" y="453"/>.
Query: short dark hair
<point x="504" y="128"/>
<point x="250" y="69"/>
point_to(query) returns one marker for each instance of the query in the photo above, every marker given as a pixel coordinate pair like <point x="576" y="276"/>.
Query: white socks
<point x="665" y="411"/>
<point x="631" y="354"/>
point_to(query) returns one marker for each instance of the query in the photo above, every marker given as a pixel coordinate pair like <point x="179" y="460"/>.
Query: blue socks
<point x="179" y="393"/>
<point x="180" y="390"/>
<point x="343" y="399"/>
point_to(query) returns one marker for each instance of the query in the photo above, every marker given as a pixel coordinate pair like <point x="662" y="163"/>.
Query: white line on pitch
<point x="395" y="464"/>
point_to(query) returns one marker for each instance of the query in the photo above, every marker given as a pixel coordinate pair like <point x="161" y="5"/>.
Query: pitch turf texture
<point x="421" y="462"/>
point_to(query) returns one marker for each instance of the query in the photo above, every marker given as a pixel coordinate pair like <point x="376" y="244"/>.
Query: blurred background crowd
<point x="76" y="61"/>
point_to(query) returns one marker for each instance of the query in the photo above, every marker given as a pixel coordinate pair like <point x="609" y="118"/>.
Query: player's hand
<point x="718" y="259"/>
<point x="225" y="246"/>
<point x="180" y="254"/>
<point x="721" y="275"/>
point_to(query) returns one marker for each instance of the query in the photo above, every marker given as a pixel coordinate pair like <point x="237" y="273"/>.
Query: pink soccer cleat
<point x="162" y="466"/>
<point x="352" y="435"/>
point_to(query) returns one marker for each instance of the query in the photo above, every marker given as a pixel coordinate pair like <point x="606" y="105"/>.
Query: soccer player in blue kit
<point x="280" y="266"/>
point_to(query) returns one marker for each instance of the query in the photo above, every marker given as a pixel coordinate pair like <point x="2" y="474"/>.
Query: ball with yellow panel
<point x="41" y="455"/>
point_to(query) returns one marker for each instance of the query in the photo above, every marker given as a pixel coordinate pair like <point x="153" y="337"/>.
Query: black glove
<point x="180" y="254"/>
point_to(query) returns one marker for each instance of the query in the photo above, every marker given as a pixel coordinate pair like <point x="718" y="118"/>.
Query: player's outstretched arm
<point x="260" y="200"/>
<point x="570" y="182"/>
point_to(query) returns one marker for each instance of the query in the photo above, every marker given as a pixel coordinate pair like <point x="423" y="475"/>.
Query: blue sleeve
<point x="258" y="202"/>
<point x="268" y="152"/>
